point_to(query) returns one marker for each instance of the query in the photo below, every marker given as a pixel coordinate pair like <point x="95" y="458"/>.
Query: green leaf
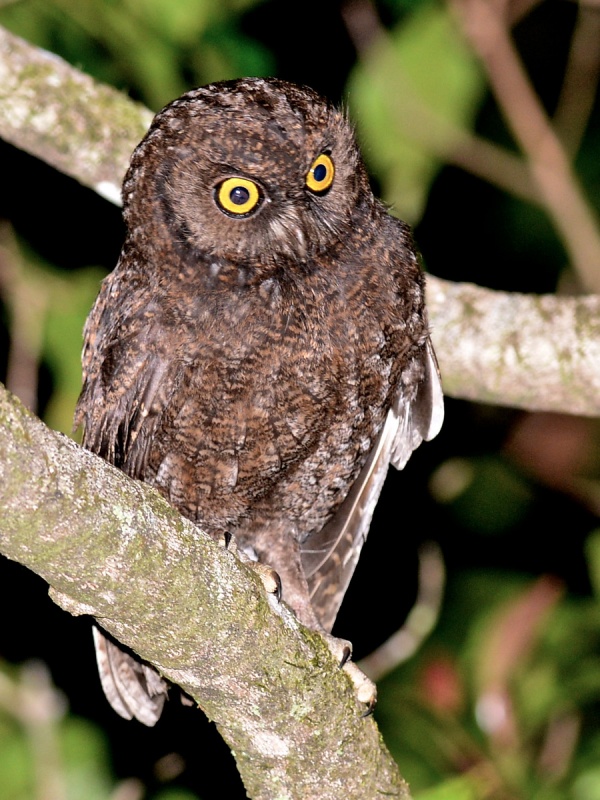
<point x="179" y="22"/>
<point x="410" y="94"/>
<point x="176" y="794"/>
<point x="86" y="760"/>
<point x="587" y="785"/>
<point x="16" y="774"/>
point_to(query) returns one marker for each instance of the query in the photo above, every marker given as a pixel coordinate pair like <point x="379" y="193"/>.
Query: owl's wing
<point x="120" y="411"/>
<point x="133" y="689"/>
<point x="329" y="558"/>
<point x="120" y="407"/>
<point x="422" y="418"/>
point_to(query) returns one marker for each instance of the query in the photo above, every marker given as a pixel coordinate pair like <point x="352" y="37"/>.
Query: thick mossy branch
<point x="113" y="548"/>
<point x="537" y="353"/>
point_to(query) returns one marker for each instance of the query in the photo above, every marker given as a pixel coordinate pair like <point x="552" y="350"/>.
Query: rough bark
<point x="537" y="352"/>
<point x="55" y="112"/>
<point x="113" y="548"/>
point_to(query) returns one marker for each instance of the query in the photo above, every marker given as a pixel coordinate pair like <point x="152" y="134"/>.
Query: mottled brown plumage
<point x="261" y="369"/>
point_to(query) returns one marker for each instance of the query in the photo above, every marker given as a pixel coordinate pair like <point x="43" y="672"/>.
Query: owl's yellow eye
<point x="238" y="196"/>
<point x="320" y="175"/>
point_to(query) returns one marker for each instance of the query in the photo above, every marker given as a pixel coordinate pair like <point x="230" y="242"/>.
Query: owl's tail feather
<point x="132" y="688"/>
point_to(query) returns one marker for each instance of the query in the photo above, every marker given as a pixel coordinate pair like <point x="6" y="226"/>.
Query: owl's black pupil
<point x="239" y="195"/>
<point x="320" y="172"/>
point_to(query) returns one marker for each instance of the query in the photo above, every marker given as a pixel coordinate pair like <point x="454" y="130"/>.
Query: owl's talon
<point x="346" y="656"/>
<point x="270" y="579"/>
<point x="225" y="539"/>
<point x="370" y="708"/>
<point x="366" y="691"/>
<point x="277" y="591"/>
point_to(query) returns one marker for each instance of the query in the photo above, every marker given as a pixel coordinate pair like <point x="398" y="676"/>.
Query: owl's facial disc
<point x="254" y="172"/>
<point x="238" y="197"/>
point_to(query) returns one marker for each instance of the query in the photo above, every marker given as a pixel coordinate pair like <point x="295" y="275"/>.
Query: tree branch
<point x="537" y="352"/>
<point x="83" y="128"/>
<point x="113" y="548"/>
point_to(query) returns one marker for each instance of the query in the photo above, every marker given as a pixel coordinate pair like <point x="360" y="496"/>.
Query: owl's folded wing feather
<point x="121" y="407"/>
<point x="329" y="558"/>
<point x="422" y="418"/>
<point x="132" y="688"/>
<point x="120" y="412"/>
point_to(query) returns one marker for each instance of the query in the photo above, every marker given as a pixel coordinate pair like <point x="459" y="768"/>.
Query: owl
<point x="261" y="352"/>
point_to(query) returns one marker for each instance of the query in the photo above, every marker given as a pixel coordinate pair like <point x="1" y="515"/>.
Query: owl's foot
<point x="365" y="689"/>
<point x="269" y="577"/>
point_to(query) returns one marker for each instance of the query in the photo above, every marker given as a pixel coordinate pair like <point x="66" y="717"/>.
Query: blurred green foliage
<point x="389" y="91"/>
<point x="42" y="752"/>
<point x="502" y="702"/>
<point x="155" y="48"/>
<point x="509" y="699"/>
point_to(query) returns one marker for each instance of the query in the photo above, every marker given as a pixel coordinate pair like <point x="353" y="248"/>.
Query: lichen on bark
<point x="113" y="548"/>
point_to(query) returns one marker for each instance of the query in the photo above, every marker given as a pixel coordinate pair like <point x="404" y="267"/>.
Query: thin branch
<point x="581" y="80"/>
<point x="420" y="622"/>
<point x="113" y="548"/>
<point x="487" y="30"/>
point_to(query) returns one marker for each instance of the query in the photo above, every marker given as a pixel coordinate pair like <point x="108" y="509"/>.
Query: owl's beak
<point x="288" y="233"/>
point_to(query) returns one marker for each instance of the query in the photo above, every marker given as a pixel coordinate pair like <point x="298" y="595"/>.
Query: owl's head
<point x="253" y="170"/>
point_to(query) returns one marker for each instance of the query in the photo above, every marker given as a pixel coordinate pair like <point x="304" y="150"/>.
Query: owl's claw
<point x="370" y="708"/>
<point x="346" y="655"/>
<point x="278" y="593"/>
<point x="270" y="579"/>
<point x="365" y="689"/>
<point x="227" y="539"/>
